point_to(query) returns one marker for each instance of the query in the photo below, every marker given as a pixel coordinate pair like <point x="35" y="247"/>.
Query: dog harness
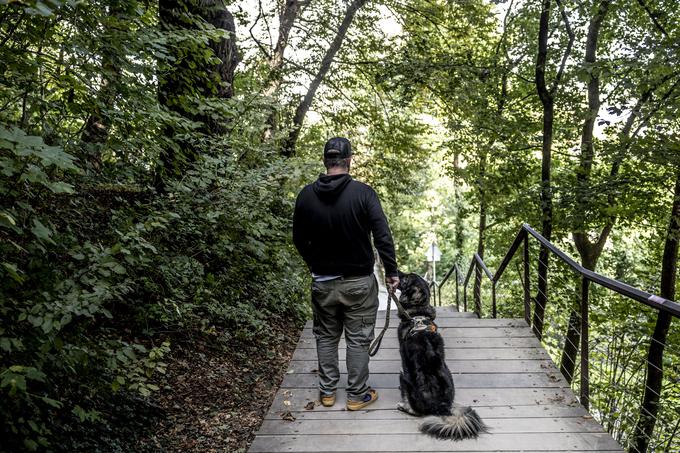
<point x="421" y="324"/>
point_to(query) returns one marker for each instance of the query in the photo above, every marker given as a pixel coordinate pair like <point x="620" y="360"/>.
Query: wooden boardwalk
<point x="498" y="367"/>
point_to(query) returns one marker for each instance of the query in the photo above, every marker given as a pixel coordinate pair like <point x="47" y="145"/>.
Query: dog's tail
<point x="463" y="423"/>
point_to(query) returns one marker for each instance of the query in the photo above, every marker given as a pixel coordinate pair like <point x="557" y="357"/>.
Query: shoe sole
<point x="359" y="407"/>
<point x="327" y="401"/>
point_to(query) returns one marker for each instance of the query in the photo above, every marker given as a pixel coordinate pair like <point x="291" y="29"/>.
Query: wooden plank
<point x="471" y="381"/>
<point x="449" y="343"/>
<point x="510" y="381"/>
<point x="486" y="412"/>
<point x="469" y="322"/>
<point x="456" y="366"/>
<point x="410" y="426"/>
<point x="420" y="443"/>
<point x="449" y="315"/>
<point x="297" y="399"/>
<point x="442" y="312"/>
<point x="456" y="354"/>
<point x="454" y="449"/>
<point x="456" y="332"/>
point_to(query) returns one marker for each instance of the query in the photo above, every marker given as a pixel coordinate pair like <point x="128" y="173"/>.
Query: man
<point x="332" y="227"/>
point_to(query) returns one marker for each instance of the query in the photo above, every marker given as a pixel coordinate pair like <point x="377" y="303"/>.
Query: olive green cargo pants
<point x="349" y="304"/>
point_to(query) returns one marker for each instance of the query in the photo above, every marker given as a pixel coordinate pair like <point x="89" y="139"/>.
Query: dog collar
<point x="422" y="324"/>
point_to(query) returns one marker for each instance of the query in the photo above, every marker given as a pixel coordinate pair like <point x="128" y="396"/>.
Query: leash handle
<point x="391" y="296"/>
<point x="375" y="344"/>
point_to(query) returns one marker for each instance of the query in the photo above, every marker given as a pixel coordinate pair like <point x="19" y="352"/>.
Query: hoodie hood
<point x="329" y="187"/>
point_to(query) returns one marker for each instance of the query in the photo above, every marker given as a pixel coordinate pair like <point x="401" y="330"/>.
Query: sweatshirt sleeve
<point x="300" y="231"/>
<point x="382" y="237"/>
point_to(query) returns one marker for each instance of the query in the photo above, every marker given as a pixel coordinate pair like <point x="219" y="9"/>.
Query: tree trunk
<point x="546" y="155"/>
<point x="180" y="81"/>
<point x="481" y="185"/>
<point x="590" y="252"/>
<point x="482" y="232"/>
<point x="216" y="13"/>
<point x="288" y="148"/>
<point x="669" y="269"/>
<point x="96" y="129"/>
<point x="573" y="336"/>
<point x="289" y="13"/>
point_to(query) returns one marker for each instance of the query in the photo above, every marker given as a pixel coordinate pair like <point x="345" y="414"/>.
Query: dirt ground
<point x="214" y="399"/>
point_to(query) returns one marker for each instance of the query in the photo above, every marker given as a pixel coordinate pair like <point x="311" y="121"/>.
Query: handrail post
<point x="527" y="282"/>
<point x="457" y="277"/>
<point x="439" y="295"/>
<point x="477" y="289"/>
<point x="585" y="370"/>
<point x="465" y="298"/>
<point x="493" y="298"/>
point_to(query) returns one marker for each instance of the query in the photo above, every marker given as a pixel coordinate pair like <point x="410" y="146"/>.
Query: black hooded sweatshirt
<point x="332" y="225"/>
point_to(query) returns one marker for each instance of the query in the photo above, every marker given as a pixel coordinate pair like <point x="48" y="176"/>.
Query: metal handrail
<point x="652" y="300"/>
<point x="624" y="289"/>
<point x="526" y="233"/>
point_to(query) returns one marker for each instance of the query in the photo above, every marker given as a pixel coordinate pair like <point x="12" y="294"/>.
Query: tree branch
<point x="288" y="148"/>
<point x="567" y="51"/>
<point x="250" y="31"/>
<point x="651" y="16"/>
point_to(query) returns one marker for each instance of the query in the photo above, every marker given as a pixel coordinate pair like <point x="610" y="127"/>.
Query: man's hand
<point x="392" y="283"/>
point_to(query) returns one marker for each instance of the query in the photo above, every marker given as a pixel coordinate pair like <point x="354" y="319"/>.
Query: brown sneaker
<point x="327" y="399"/>
<point x="368" y="398"/>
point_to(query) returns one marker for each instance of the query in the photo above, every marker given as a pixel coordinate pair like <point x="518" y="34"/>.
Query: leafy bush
<point x="89" y="295"/>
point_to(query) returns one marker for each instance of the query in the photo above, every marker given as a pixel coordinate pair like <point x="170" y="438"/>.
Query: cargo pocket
<point x="316" y="327"/>
<point x="368" y="328"/>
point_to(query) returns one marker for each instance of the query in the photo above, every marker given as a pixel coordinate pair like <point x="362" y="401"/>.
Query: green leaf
<point x="13" y="272"/>
<point x="7" y="217"/>
<point x="50" y="402"/>
<point x="59" y="187"/>
<point x="41" y="231"/>
<point x="47" y="325"/>
<point x="34" y="374"/>
<point x="30" y="444"/>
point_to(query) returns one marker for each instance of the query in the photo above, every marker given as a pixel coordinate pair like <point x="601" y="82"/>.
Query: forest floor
<point x="215" y="396"/>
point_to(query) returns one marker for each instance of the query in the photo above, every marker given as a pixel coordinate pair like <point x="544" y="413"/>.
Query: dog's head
<point x="415" y="295"/>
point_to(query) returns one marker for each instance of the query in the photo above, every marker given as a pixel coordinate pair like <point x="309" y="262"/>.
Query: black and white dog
<point x="426" y="383"/>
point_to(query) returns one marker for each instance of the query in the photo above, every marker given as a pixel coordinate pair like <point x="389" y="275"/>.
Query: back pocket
<point x="355" y="290"/>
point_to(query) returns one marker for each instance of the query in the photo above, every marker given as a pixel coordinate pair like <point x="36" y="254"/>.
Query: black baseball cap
<point x="337" y="147"/>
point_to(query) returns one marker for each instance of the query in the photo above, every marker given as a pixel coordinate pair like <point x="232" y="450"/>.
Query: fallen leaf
<point x="288" y="416"/>
<point x="310" y="405"/>
<point x="286" y="403"/>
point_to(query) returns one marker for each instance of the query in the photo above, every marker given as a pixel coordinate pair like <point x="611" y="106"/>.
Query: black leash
<point x="375" y="345"/>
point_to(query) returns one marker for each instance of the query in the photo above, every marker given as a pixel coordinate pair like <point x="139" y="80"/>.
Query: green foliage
<point x="101" y="274"/>
<point x="104" y="269"/>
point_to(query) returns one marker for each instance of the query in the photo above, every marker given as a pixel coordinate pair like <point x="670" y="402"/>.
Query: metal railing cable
<point x="609" y="381"/>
